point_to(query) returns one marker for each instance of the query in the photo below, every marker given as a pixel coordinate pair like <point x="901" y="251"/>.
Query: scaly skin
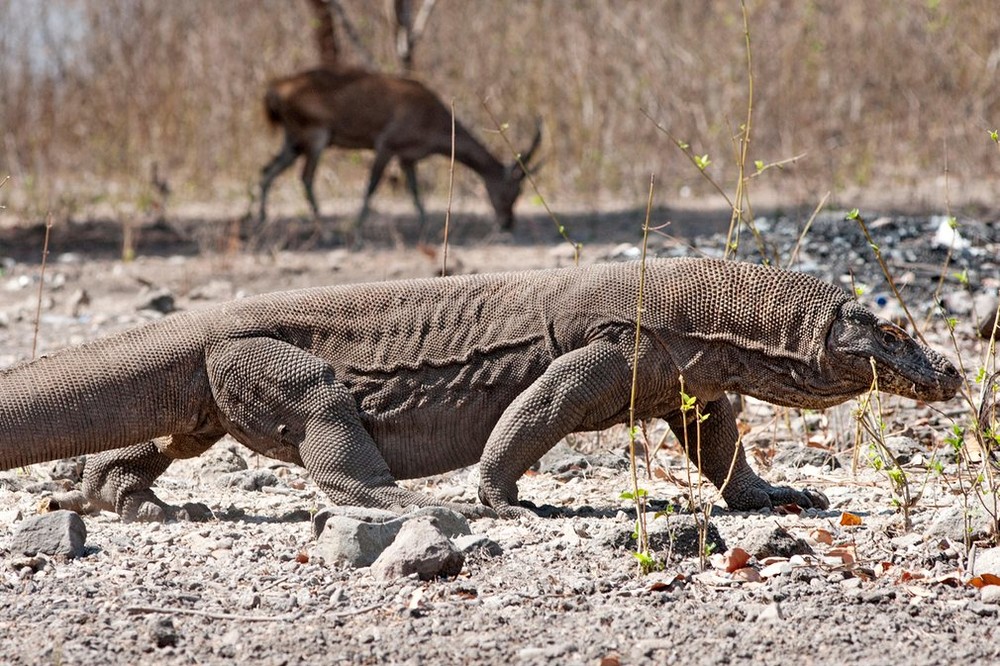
<point x="366" y="384"/>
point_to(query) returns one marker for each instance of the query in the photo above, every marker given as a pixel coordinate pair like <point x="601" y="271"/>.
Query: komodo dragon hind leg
<point x="721" y="451"/>
<point x="299" y="408"/>
<point x="120" y="480"/>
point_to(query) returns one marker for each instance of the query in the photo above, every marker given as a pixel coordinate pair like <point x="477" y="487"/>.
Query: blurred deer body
<point x="395" y="117"/>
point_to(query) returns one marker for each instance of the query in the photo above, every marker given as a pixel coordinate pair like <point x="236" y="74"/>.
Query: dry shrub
<point x="92" y="92"/>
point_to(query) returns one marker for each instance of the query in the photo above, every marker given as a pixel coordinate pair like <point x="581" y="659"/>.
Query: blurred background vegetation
<point x="880" y="97"/>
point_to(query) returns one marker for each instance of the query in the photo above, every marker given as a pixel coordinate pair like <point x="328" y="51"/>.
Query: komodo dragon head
<point x="904" y="367"/>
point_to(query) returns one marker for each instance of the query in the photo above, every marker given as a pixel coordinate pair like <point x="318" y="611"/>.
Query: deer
<point x="394" y="116"/>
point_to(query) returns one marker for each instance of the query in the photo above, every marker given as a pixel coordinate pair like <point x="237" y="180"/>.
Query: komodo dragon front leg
<point x="714" y="447"/>
<point x="585" y="389"/>
<point x="280" y="400"/>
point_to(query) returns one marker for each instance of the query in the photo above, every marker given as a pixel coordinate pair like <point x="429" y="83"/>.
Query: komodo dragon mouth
<point x="904" y="366"/>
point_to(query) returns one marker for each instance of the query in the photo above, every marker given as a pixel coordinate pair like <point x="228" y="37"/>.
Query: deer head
<point x="504" y="191"/>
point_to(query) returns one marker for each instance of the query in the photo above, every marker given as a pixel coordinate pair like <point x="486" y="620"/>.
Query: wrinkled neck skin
<point x="780" y="379"/>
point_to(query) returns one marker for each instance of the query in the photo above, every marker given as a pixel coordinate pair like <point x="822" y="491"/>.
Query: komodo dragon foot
<point x="120" y="480"/>
<point x="759" y="494"/>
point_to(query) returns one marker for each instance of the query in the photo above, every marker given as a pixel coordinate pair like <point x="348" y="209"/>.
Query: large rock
<point x="56" y="533"/>
<point x="774" y="541"/>
<point x="354" y="542"/>
<point x="420" y="548"/>
<point x="357" y="536"/>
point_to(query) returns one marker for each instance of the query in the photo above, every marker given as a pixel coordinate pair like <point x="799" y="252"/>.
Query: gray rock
<point x="950" y="523"/>
<point x="358" y="513"/>
<point x="249" y="480"/>
<point x="159" y="300"/>
<point x="56" y="533"/>
<point x="194" y="512"/>
<point x="420" y="548"/>
<point x="222" y="460"/>
<point x="354" y="542"/>
<point x="162" y="632"/>
<point x="987" y="561"/>
<point x="452" y="524"/>
<point x="448" y="521"/>
<point x="471" y="544"/>
<point x="990" y="594"/>
<point x="356" y="536"/>
<point x="774" y="541"/>
<point x="797" y="455"/>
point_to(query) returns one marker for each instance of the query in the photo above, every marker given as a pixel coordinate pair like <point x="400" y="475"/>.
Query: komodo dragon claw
<point x="762" y="495"/>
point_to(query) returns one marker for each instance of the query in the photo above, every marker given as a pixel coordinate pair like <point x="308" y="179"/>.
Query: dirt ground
<point x="566" y="588"/>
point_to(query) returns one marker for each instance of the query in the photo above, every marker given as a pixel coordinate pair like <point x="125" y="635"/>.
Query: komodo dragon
<point x="365" y="384"/>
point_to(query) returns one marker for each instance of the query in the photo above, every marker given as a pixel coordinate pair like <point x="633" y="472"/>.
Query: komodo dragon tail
<point x="102" y="395"/>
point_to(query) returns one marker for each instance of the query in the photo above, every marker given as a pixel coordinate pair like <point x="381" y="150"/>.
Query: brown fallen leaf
<point x="821" y="536"/>
<point x="747" y="575"/>
<point x="735" y="558"/>
<point x="850" y="519"/>
<point x="844" y="555"/>
<point x="984" y="580"/>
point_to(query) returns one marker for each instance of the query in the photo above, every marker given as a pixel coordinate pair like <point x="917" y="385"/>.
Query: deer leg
<point x="382" y="158"/>
<point x="309" y="174"/>
<point x="410" y="169"/>
<point x="284" y="159"/>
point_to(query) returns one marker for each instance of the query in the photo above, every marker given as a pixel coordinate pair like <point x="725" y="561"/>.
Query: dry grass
<point x="93" y="92"/>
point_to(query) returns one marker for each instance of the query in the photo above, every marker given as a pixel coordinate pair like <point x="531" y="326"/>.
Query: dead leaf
<point x="735" y="558"/>
<point x="984" y="580"/>
<point x="611" y="660"/>
<point x="882" y="568"/>
<point x="907" y="576"/>
<point x="662" y="582"/>
<point x="850" y="519"/>
<point x="747" y="575"/>
<point x="949" y="579"/>
<point x="788" y="509"/>
<point x="821" y="536"/>
<point x="302" y="557"/>
<point x="918" y="591"/>
<point x="767" y="561"/>
<point x="844" y="555"/>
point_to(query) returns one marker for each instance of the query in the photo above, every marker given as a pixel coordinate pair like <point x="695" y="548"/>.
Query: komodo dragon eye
<point x="891" y="336"/>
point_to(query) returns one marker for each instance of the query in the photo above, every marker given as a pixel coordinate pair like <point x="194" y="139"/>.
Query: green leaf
<point x="995" y="135"/>
<point x="759" y="165"/>
<point x="683" y="145"/>
<point x="854" y="214"/>
<point x="702" y="161"/>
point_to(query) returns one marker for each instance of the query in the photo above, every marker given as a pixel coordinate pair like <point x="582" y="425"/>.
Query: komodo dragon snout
<point x="904" y="367"/>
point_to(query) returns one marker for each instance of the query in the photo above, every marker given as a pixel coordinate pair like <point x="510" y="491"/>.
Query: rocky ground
<point x="854" y="583"/>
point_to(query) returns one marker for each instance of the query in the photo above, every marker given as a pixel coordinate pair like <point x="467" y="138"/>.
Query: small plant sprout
<point x="638" y="495"/>
<point x="870" y="422"/>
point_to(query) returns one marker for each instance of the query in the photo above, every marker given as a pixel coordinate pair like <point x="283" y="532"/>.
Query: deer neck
<point x="474" y="155"/>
